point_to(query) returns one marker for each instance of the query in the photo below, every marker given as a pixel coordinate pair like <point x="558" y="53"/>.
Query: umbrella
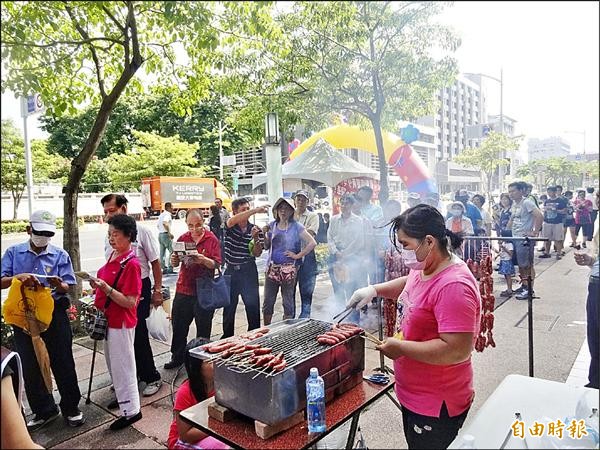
<point x="31" y="309"/>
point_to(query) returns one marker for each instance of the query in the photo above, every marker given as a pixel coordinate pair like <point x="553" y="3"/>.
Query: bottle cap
<point x="314" y="372"/>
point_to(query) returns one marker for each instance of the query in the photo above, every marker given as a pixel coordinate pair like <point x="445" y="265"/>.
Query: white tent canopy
<point x="322" y="163"/>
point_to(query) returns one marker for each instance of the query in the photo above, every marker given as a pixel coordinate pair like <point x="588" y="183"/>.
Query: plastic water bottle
<point x="315" y="402"/>
<point x="468" y="441"/>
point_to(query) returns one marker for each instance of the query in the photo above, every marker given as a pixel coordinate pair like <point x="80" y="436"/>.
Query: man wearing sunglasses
<point x="39" y="263"/>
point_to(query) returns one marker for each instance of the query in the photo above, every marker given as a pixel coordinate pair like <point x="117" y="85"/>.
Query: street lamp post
<point x="273" y="157"/>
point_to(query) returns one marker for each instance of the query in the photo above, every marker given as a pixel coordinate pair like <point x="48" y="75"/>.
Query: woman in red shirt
<point x="185" y="304"/>
<point x="119" y="303"/>
<point x="198" y="387"/>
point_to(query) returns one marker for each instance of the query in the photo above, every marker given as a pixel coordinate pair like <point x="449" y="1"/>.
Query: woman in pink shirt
<point x="438" y="317"/>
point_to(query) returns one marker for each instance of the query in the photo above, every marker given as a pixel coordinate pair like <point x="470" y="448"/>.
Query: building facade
<point x="551" y="147"/>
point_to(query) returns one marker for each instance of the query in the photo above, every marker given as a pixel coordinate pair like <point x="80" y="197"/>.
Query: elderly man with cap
<point x="288" y="242"/>
<point x="39" y="263"/>
<point x="307" y="272"/>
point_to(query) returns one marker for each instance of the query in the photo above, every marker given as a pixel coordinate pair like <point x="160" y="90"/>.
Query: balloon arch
<point x="398" y="153"/>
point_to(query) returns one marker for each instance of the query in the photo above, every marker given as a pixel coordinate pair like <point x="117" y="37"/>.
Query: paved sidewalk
<point x="559" y="354"/>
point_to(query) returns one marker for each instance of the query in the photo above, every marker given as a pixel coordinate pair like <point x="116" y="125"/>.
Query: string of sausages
<point x="483" y="272"/>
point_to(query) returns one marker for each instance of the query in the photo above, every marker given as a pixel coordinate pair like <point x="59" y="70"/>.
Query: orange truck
<point x="183" y="193"/>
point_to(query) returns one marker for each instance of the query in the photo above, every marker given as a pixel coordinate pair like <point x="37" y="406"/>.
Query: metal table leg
<point x="352" y="432"/>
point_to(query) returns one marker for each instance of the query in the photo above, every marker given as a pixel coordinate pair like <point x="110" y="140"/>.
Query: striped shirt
<point x="236" y="245"/>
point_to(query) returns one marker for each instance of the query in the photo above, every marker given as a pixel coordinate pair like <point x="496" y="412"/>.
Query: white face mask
<point x="40" y="241"/>
<point x="410" y="258"/>
<point x="456" y="212"/>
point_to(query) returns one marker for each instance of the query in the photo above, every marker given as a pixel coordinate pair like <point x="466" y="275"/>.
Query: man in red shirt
<point x="185" y="304"/>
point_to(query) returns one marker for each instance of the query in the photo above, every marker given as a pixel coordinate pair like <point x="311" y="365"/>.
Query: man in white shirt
<point x="307" y="273"/>
<point x="165" y="238"/>
<point x="347" y="258"/>
<point x="146" y="250"/>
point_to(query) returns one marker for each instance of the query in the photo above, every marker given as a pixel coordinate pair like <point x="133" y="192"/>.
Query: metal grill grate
<point x="297" y="342"/>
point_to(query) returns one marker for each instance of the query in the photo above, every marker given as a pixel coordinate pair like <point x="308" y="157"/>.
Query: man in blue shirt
<point x="39" y="263"/>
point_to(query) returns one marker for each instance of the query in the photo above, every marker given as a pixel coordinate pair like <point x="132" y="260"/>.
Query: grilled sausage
<point x="326" y="340"/>
<point x="275" y="360"/>
<point x="220" y="347"/>
<point x="337" y="334"/>
<point x="262" y="330"/>
<point x="262" y="351"/>
<point x="252" y="346"/>
<point x="279" y="367"/>
<point x="262" y="360"/>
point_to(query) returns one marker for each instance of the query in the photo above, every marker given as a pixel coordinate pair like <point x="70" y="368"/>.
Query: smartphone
<point x="261" y="237"/>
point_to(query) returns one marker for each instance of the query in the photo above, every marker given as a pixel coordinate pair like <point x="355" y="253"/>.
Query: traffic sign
<point x="31" y="104"/>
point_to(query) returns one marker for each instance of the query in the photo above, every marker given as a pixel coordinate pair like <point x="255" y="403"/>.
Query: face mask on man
<point x="40" y="241"/>
<point x="456" y="212"/>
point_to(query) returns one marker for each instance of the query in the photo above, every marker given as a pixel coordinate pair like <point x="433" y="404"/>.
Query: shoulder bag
<point x="213" y="292"/>
<point x="95" y="322"/>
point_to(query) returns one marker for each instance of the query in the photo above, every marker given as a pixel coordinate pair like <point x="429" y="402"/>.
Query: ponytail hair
<point x="455" y="239"/>
<point x="422" y="220"/>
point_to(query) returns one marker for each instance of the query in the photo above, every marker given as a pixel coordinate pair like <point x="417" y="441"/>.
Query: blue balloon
<point x="409" y="133"/>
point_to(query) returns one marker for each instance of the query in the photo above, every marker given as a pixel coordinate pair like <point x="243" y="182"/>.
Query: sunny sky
<point x="549" y="55"/>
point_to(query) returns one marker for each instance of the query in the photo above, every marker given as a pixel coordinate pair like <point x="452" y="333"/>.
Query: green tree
<point x="46" y="167"/>
<point x="13" y="163"/>
<point x="151" y="155"/>
<point x="559" y="170"/>
<point x="80" y="53"/>
<point x="488" y="156"/>
<point x="372" y="59"/>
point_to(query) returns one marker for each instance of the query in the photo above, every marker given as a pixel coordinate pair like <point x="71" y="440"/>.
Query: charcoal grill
<point x="273" y="397"/>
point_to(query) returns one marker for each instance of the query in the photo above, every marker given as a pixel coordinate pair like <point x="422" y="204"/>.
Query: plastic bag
<point x="158" y="324"/>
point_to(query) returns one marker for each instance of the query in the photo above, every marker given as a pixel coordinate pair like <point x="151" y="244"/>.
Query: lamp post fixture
<point x="273" y="157"/>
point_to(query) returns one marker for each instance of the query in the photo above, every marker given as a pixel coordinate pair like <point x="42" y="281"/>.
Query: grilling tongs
<point x="347" y="312"/>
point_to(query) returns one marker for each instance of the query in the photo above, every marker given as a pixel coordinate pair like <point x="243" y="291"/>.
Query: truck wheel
<point x="181" y="214"/>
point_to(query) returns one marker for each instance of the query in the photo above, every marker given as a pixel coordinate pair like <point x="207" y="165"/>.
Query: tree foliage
<point x="45" y="166"/>
<point x="371" y="59"/>
<point x="559" y="170"/>
<point x="489" y="155"/>
<point x="151" y="155"/>
<point x="88" y="53"/>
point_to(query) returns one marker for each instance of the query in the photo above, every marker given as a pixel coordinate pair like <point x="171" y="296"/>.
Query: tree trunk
<point x="17" y="196"/>
<point x="79" y="165"/>
<point x="384" y="191"/>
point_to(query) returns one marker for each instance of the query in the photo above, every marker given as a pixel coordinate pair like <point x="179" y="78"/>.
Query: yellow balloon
<point x="347" y="136"/>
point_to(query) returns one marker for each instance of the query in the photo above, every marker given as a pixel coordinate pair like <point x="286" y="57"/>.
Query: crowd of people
<point x="406" y="258"/>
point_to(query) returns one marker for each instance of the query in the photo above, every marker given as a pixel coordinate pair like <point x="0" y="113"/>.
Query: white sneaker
<point x="152" y="388"/>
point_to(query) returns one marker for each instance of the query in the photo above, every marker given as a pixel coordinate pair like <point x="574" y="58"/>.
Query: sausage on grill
<point x="279" y="367"/>
<point x="262" y="351"/>
<point x="326" y="340"/>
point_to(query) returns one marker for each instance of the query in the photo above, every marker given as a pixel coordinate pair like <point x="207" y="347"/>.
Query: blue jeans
<point x="306" y="280"/>
<point x="59" y="342"/>
<point x="244" y="282"/>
